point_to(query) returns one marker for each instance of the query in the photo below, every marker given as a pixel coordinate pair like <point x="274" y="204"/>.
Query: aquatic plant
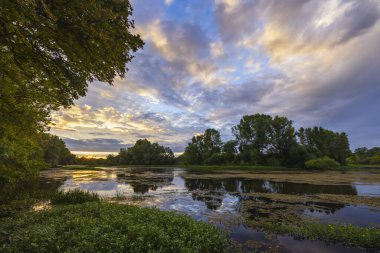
<point x="364" y="237"/>
<point x="101" y="227"/>
<point x="75" y="196"/>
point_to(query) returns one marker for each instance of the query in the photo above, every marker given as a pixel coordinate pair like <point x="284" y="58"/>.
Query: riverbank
<point x="257" y="168"/>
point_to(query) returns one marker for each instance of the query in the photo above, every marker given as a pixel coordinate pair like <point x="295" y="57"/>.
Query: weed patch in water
<point x="364" y="237"/>
<point x="100" y="227"/>
<point x="75" y="196"/>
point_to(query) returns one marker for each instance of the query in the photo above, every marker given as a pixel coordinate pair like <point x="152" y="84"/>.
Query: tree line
<point x="364" y="155"/>
<point x="261" y="139"/>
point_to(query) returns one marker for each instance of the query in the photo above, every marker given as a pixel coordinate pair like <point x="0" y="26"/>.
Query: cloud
<point x="96" y="144"/>
<point x="207" y="63"/>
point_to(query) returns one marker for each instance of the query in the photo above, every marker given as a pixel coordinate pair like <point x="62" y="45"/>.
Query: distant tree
<point x="212" y="143"/>
<point x="253" y="136"/>
<point x="204" y="148"/>
<point x="282" y="139"/>
<point x="229" y="151"/>
<point x="194" y="150"/>
<point x="365" y="156"/>
<point x="145" y="153"/>
<point x="321" y="142"/>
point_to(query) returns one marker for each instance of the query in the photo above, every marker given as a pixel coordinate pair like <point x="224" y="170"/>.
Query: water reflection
<point x="265" y="186"/>
<point x="142" y="180"/>
<point x="219" y="201"/>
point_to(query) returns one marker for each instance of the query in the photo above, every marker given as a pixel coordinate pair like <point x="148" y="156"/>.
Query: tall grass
<point x="75" y="196"/>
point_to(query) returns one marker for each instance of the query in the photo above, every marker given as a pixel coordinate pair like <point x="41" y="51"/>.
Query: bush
<point x="75" y="196"/>
<point x="101" y="227"/>
<point x="374" y="160"/>
<point x="323" y="163"/>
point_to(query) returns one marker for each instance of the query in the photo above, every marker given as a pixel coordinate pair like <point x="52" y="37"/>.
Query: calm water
<point x="222" y="201"/>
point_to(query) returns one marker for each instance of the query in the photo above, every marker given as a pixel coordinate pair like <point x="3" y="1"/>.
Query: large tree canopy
<point x="49" y="51"/>
<point x="52" y="48"/>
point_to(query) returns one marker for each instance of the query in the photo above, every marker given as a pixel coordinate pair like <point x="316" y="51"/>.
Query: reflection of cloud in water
<point x="371" y="190"/>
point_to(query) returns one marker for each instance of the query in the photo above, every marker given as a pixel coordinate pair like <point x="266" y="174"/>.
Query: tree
<point x="365" y="156"/>
<point x="229" y="151"/>
<point x="49" y="52"/>
<point x="144" y="153"/>
<point x="204" y="148"/>
<point x="55" y="151"/>
<point x="211" y="143"/>
<point x="321" y="142"/>
<point x="194" y="150"/>
<point x="253" y="136"/>
<point x="282" y="138"/>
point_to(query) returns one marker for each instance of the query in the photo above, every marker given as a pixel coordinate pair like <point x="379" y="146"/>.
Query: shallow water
<point x="222" y="201"/>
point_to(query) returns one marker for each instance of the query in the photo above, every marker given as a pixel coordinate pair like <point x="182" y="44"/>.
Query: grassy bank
<point x="104" y="227"/>
<point x="363" y="237"/>
<point x="81" y="167"/>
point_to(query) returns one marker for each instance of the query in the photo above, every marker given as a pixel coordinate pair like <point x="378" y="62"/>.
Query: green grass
<point x="359" y="167"/>
<point x="75" y="196"/>
<point x="100" y="227"/>
<point x="363" y="237"/>
<point x="81" y="167"/>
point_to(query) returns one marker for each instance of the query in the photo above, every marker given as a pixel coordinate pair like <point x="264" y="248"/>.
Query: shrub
<point x="322" y="163"/>
<point x="75" y="196"/>
<point x="374" y="160"/>
<point x="102" y="227"/>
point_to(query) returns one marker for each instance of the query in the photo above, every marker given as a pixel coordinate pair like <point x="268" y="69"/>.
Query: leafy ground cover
<point x="105" y="227"/>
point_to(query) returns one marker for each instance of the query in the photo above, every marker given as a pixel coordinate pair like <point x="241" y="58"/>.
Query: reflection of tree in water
<point x="325" y="207"/>
<point x="303" y="188"/>
<point x="211" y="191"/>
<point x="232" y="185"/>
<point x="213" y="200"/>
<point x="30" y="189"/>
<point x="143" y="180"/>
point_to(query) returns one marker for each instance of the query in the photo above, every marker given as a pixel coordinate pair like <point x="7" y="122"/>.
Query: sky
<point x="206" y="63"/>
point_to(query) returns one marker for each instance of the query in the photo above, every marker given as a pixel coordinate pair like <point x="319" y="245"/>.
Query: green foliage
<point x="261" y="137"/>
<point x="322" y="142"/>
<point x="204" y="148"/>
<point x="253" y="135"/>
<point x="365" y="156"/>
<point x="229" y="150"/>
<point x="75" y="196"/>
<point x="364" y="237"/>
<point x="265" y="140"/>
<point x="96" y="227"/>
<point x="49" y="52"/>
<point x="55" y="151"/>
<point x="143" y="153"/>
<point x="323" y="163"/>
